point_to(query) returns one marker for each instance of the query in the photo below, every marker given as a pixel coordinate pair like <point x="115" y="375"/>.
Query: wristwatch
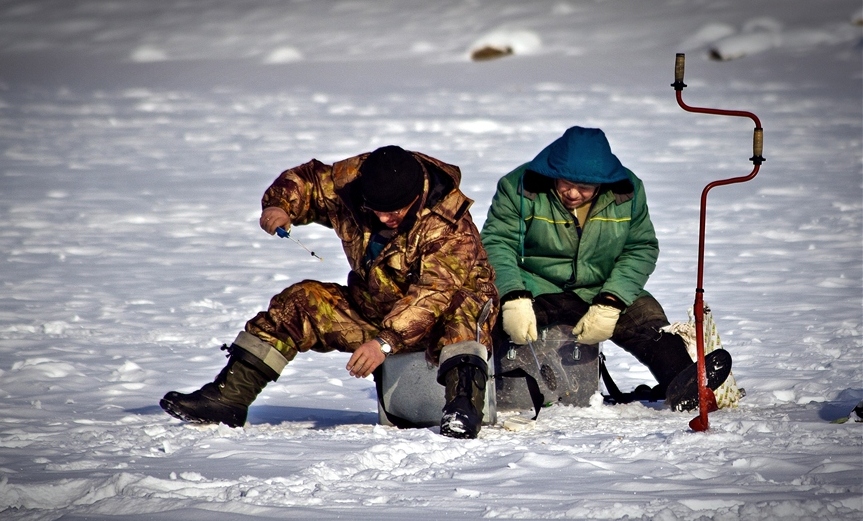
<point x="386" y="349"/>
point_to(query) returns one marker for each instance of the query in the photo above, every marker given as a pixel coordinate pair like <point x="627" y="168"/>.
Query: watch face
<point x="385" y="347"/>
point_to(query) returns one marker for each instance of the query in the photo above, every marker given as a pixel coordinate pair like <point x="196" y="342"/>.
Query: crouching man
<point x="418" y="281"/>
<point x="571" y="241"/>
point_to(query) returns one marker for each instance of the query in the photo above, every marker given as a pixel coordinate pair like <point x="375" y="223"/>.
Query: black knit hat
<point x="390" y="179"/>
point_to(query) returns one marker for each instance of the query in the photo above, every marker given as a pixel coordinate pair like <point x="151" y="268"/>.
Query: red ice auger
<point x="706" y="399"/>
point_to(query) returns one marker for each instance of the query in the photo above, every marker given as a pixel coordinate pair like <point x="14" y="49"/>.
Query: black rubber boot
<point x="465" y="379"/>
<point x="225" y="400"/>
<point x="665" y="356"/>
<point x="682" y="393"/>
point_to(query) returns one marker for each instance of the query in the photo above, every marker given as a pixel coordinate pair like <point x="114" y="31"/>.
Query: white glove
<point x="596" y="325"/>
<point x="519" y="320"/>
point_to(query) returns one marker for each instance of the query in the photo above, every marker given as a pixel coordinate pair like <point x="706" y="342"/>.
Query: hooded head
<point x="580" y="155"/>
<point x="391" y="178"/>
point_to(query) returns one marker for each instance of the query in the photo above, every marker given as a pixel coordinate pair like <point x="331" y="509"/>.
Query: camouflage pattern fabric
<point x="423" y="291"/>
<point x="322" y="317"/>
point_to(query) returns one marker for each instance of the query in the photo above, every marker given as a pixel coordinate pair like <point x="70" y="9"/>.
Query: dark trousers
<point x="637" y="331"/>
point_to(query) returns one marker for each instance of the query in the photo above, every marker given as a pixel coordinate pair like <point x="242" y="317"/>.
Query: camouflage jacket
<point x="435" y="266"/>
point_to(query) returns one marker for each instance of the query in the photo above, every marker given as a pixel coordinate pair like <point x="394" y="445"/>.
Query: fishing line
<point x="284" y="234"/>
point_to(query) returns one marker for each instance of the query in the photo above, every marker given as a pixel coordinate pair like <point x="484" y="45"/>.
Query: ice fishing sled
<point x="554" y="369"/>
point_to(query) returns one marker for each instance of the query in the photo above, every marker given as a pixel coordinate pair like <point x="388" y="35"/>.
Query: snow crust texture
<point x="136" y="139"/>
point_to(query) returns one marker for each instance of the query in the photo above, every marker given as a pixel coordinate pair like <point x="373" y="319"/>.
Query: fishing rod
<point x="706" y="398"/>
<point x="285" y="234"/>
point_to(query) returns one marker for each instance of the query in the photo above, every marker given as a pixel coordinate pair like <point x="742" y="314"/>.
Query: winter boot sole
<point x="202" y="410"/>
<point x="453" y="427"/>
<point x="460" y="419"/>
<point x="682" y="393"/>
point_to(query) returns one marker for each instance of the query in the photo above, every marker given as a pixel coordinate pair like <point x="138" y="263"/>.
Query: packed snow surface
<point x="136" y="139"/>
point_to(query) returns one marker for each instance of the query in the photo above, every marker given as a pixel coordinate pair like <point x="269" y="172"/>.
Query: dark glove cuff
<point x="517" y="294"/>
<point x="607" y="299"/>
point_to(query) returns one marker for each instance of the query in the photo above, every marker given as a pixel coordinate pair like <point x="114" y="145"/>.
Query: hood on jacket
<point x="580" y="155"/>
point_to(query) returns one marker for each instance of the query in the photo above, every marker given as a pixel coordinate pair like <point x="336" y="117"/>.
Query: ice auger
<point x="706" y="399"/>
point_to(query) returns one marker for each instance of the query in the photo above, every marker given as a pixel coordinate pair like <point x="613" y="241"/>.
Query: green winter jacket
<point x="535" y="244"/>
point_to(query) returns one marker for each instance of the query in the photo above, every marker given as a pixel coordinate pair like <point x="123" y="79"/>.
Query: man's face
<point x="574" y="195"/>
<point x="394" y="219"/>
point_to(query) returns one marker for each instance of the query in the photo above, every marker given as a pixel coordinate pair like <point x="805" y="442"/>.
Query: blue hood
<point x="581" y="155"/>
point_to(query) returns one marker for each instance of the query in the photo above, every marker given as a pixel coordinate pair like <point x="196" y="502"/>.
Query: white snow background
<point x="136" y="139"/>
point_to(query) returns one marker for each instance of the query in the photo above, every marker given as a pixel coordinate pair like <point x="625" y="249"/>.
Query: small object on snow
<point x="856" y="414"/>
<point x="504" y="42"/>
<point x="284" y="234"/>
<point x="490" y="52"/>
<point x="740" y="45"/>
<point x="519" y="423"/>
<point x="758" y="35"/>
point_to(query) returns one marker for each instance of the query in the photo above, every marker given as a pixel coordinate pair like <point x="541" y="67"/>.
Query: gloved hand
<point x="596" y="325"/>
<point x="519" y="320"/>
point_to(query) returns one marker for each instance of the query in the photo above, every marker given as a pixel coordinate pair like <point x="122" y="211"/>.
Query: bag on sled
<point x="728" y="394"/>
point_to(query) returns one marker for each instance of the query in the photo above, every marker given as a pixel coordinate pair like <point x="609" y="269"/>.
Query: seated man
<point x="419" y="278"/>
<point x="571" y="242"/>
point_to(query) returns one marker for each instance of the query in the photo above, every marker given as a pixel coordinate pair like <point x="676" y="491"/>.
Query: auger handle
<point x="757" y="146"/>
<point x="679" y="66"/>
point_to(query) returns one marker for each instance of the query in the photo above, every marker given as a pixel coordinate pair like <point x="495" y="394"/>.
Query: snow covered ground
<point x="136" y="139"/>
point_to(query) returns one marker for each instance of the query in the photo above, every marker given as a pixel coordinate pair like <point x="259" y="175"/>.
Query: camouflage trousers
<point x="320" y="316"/>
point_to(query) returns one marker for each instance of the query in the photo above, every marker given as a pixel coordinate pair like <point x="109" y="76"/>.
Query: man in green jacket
<point x="571" y="242"/>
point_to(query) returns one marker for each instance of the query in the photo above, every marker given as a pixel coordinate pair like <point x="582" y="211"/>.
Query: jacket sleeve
<point x="501" y="234"/>
<point x="305" y="192"/>
<point x="640" y="251"/>
<point x="446" y="263"/>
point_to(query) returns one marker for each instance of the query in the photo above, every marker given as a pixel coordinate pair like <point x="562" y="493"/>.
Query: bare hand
<point x="366" y="359"/>
<point x="274" y="217"/>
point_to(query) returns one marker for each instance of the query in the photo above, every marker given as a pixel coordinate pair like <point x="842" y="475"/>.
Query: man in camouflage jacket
<point x="418" y="281"/>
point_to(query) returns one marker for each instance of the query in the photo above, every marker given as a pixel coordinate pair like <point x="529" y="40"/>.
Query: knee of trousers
<point x="644" y="314"/>
<point x="259" y="354"/>
<point x="300" y="292"/>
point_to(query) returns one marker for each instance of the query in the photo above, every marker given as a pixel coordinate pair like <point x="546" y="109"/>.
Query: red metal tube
<point x="705" y="395"/>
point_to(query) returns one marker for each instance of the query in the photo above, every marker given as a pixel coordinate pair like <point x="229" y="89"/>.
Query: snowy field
<point x="136" y="139"/>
